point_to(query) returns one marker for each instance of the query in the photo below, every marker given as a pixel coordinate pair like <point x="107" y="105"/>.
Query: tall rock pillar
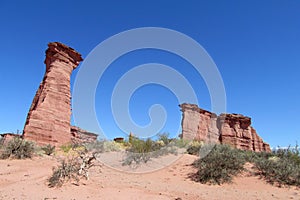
<point x="48" y="120"/>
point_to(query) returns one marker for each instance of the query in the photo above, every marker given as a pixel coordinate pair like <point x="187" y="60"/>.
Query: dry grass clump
<point x="73" y="168"/>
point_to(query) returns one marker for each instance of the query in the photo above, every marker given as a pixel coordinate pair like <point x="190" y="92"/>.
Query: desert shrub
<point x="96" y="146"/>
<point x="180" y="143"/>
<point x="293" y="154"/>
<point x="282" y="171"/>
<point x="141" y="151"/>
<point x="104" y="146"/>
<point x="66" y="171"/>
<point x="164" y="137"/>
<point x="194" y="147"/>
<point x="48" y="149"/>
<point x="110" y="146"/>
<point x="66" y="148"/>
<point x="219" y="165"/>
<point x="72" y="168"/>
<point x="249" y="156"/>
<point x="1" y="141"/>
<point x="165" y="150"/>
<point x="131" y="138"/>
<point x="18" y="148"/>
<point x="143" y="146"/>
<point x="281" y="167"/>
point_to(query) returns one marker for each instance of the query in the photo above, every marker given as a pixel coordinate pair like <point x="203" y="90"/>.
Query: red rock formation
<point x="199" y="124"/>
<point x="6" y="137"/>
<point x="236" y="130"/>
<point x="48" y="120"/>
<point x="82" y="136"/>
<point x="232" y="129"/>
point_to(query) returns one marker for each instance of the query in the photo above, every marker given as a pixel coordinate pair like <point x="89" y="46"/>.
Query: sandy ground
<point x="27" y="179"/>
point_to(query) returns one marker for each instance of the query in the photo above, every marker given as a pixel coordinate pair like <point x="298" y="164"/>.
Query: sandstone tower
<point x="48" y="120"/>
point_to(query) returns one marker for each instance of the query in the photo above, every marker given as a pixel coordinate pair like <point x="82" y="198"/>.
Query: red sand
<point x="27" y="179"/>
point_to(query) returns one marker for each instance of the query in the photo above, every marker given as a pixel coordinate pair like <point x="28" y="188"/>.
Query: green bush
<point x="142" y="146"/>
<point x="66" y="148"/>
<point x="194" y="148"/>
<point x="141" y="151"/>
<point x="164" y="137"/>
<point x="104" y="146"/>
<point x="281" y="167"/>
<point x="18" y="148"/>
<point x="219" y="165"/>
<point x="48" y="149"/>
<point x="180" y="143"/>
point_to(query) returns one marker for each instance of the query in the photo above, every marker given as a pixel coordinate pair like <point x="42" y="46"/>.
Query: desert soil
<point x="27" y="179"/>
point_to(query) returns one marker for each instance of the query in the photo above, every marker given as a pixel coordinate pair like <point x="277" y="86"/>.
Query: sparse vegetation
<point x="164" y="137"/>
<point x="180" y="143"/>
<point x="1" y="141"/>
<point x="110" y="146"/>
<point x="66" y="171"/>
<point x="66" y="148"/>
<point x="18" y="148"/>
<point x="219" y="166"/>
<point x="141" y="151"/>
<point x="194" y="147"/>
<point x="72" y="169"/>
<point x="281" y="167"/>
<point x="48" y="149"/>
<point x="105" y="146"/>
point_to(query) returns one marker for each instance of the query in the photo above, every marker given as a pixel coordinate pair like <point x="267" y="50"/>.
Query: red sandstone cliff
<point x="232" y="129"/>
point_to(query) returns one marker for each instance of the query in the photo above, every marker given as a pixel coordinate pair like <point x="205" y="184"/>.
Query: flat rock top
<point x="57" y="47"/>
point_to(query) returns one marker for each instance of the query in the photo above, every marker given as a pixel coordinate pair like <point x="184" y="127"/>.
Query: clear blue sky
<point x="255" y="45"/>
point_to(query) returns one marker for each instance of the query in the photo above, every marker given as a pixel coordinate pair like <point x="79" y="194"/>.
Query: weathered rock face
<point x="232" y="129"/>
<point x="6" y="137"/>
<point x="199" y="124"/>
<point x="236" y="130"/>
<point x="48" y="120"/>
<point x="82" y="136"/>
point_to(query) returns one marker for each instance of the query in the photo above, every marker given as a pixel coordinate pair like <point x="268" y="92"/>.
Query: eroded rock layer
<point x="232" y="129"/>
<point x="82" y="136"/>
<point x="48" y="120"/>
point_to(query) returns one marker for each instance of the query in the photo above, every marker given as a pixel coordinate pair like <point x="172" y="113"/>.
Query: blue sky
<point x="255" y="45"/>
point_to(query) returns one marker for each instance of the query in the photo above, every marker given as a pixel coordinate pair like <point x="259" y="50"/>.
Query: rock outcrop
<point x="236" y="130"/>
<point x="48" y="120"/>
<point x="199" y="124"/>
<point x="82" y="136"/>
<point x="232" y="129"/>
<point x="6" y="137"/>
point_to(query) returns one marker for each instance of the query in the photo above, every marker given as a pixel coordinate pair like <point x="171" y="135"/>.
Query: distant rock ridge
<point x="232" y="129"/>
<point x="48" y="120"/>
